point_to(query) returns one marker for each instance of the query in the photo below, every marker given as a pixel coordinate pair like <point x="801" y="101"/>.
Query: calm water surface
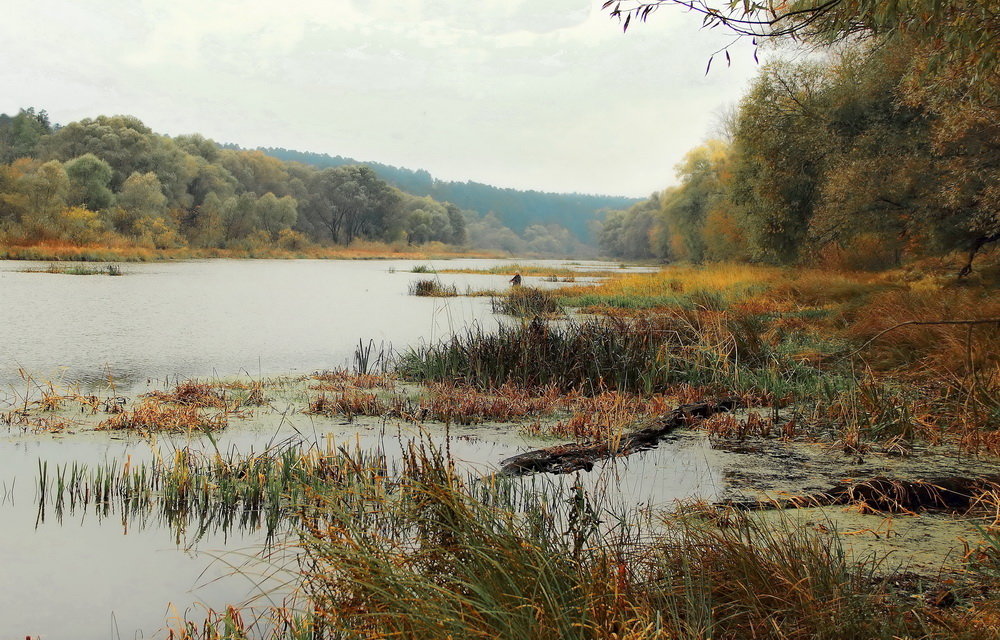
<point x="221" y="317"/>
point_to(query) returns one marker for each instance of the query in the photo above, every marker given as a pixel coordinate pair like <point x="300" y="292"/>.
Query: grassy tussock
<point x="351" y="403"/>
<point x="604" y="417"/>
<point x="192" y="394"/>
<point x="152" y="416"/>
<point x="527" y="302"/>
<point x="442" y="402"/>
<point x="432" y="289"/>
<point x="449" y="403"/>
<point x="589" y="357"/>
<point x="228" y="397"/>
<point x="341" y="380"/>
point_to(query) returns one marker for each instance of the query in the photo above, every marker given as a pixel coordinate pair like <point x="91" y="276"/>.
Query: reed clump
<point x="216" y="491"/>
<point x="432" y="289"/>
<point x="527" y="302"/>
<point x="589" y="357"/>
<point x="80" y="270"/>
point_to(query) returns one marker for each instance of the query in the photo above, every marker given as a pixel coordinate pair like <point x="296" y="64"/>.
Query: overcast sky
<point x="546" y="95"/>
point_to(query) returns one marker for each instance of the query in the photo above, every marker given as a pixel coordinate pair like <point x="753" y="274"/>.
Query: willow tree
<point x="952" y="76"/>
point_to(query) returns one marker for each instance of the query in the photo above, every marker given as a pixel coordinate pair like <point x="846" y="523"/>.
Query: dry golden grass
<point x="466" y="405"/>
<point x="943" y="350"/>
<point x="193" y="394"/>
<point x="350" y="403"/>
<point x="153" y="416"/>
<point x="756" y="288"/>
<point x="28" y="421"/>
<point x="675" y="280"/>
<point x="725" y="426"/>
<point x="341" y="380"/>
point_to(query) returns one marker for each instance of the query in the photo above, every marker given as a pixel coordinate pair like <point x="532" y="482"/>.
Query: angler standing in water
<point x="516" y="280"/>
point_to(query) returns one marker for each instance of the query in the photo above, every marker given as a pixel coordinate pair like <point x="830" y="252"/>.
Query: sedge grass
<point x="460" y="561"/>
<point x="432" y="289"/>
<point x="80" y="270"/>
<point x="527" y="302"/>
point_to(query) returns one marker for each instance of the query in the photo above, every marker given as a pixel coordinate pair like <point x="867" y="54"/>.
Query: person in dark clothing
<point x="516" y="280"/>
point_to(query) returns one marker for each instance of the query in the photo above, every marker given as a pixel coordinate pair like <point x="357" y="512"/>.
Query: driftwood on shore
<point x="566" y="458"/>
<point x="886" y="494"/>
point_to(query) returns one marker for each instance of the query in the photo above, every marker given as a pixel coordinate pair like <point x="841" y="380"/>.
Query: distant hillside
<point x="516" y="209"/>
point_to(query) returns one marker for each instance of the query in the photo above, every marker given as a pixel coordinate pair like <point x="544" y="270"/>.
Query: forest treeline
<point x="886" y="149"/>
<point x="516" y="209"/>
<point x="111" y="180"/>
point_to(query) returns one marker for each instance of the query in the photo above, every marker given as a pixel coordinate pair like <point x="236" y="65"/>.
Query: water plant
<point x="526" y="302"/>
<point x="111" y="269"/>
<point x="432" y="289"/>
<point x="591" y="356"/>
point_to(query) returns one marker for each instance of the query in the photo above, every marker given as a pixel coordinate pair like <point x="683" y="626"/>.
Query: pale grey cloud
<point x="533" y="95"/>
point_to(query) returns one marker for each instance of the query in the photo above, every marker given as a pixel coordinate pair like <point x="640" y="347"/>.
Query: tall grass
<point x="80" y="270"/>
<point x="590" y="357"/>
<point x="213" y="491"/>
<point x="449" y="560"/>
<point x="432" y="289"/>
<point x="417" y="549"/>
<point x="527" y="302"/>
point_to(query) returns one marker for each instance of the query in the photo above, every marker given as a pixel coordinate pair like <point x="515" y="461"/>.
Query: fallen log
<point x="566" y="458"/>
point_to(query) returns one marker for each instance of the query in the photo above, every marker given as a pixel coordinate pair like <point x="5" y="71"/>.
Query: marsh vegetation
<point x="817" y="378"/>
